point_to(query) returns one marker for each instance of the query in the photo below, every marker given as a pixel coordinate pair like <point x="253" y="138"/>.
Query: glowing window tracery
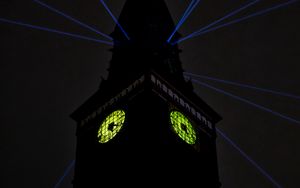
<point x="183" y="127"/>
<point x="111" y="125"/>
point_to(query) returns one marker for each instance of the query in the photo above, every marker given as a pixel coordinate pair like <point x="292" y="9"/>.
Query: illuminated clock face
<point x="111" y="125"/>
<point x="183" y="127"/>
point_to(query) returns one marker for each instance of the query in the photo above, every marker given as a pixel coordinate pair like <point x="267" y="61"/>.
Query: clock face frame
<point x="183" y="127"/>
<point x="111" y="126"/>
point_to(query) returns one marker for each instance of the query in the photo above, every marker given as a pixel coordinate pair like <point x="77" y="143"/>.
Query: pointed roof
<point x="147" y="22"/>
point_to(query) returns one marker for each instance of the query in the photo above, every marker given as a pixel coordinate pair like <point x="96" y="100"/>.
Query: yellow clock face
<point x="183" y="127"/>
<point x="111" y="125"/>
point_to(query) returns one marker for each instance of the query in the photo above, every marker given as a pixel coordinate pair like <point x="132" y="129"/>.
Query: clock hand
<point x="111" y="126"/>
<point x="183" y="127"/>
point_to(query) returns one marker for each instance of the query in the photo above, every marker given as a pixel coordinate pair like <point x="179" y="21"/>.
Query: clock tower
<point x="145" y="125"/>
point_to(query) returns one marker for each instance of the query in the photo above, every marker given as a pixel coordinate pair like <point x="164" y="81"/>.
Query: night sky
<point x="45" y="77"/>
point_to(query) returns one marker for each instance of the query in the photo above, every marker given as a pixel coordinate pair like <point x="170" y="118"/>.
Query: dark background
<point x="44" y="77"/>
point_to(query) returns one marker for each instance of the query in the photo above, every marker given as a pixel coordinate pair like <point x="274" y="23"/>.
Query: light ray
<point x="247" y="102"/>
<point x="68" y="169"/>
<point x="264" y="11"/>
<point x="115" y="19"/>
<point x="72" y="19"/>
<point x="249" y="159"/>
<point x="55" y="31"/>
<point x="182" y="18"/>
<point x="225" y="17"/>
<point x="244" y="85"/>
<point x="187" y="12"/>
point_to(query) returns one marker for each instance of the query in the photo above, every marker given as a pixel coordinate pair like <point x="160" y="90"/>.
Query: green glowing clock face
<point x="111" y="125"/>
<point x="183" y="127"/>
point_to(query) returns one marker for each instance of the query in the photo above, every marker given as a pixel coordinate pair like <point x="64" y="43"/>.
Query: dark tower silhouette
<point x="145" y="124"/>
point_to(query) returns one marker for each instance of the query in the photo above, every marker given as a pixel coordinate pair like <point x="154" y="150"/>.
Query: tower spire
<point x="149" y="24"/>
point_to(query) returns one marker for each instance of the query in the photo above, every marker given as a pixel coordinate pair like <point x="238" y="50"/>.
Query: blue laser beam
<point x="225" y="17"/>
<point x="181" y="20"/>
<point x="115" y="19"/>
<point x="55" y="31"/>
<point x="73" y="19"/>
<point x="244" y="85"/>
<point x="264" y="11"/>
<point x="68" y="169"/>
<point x="247" y="101"/>
<point x="187" y="12"/>
<point x="248" y="158"/>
